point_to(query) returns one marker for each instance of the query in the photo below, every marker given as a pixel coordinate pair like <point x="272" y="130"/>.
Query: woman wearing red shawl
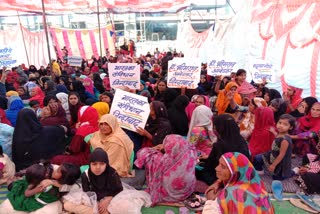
<point x="88" y="84"/>
<point x="263" y="133"/>
<point x="292" y="97"/>
<point x="228" y="99"/>
<point x="309" y="125"/>
<point x="79" y="151"/>
<point x="37" y="94"/>
<point x="239" y="188"/>
<point x="170" y="176"/>
<point x="53" y="115"/>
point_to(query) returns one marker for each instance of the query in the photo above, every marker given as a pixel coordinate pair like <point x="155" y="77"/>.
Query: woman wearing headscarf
<point x="100" y="179"/>
<point x="304" y="107"/>
<point x="37" y="94"/>
<point x="264" y="131"/>
<point x="200" y="130"/>
<point x="61" y="89"/>
<point x="178" y="117"/>
<point x="78" y="152"/>
<point x="246" y="120"/>
<point x="32" y="141"/>
<point x="239" y="188"/>
<point x="102" y="108"/>
<point x="88" y="84"/>
<point x="77" y="86"/>
<point x="15" y="104"/>
<point x="306" y="132"/>
<point x="292" y="97"/>
<point x="228" y="99"/>
<point x="98" y="83"/>
<point x="170" y="176"/>
<point x="115" y="142"/>
<point x="196" y="100"/>
<point x="229" y="140"/>
<point x="158" y="125"/>
<point x="54" y="115"/>
<point x="63" y="100"/>
<point x="143" y="91"/>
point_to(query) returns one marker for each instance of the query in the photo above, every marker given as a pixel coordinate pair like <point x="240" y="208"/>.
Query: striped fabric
<point x="3" y="193"/>
<point x="83" y="42"/>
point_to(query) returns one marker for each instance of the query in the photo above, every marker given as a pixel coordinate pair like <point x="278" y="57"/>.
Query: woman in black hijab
<point x="158" y="125"/>
<point x="98" y="83"/>
<point x="178" y="117"/>
<point x="78" y="87"/>
<point x="32" y="142"/>
<point x="229" y="140"/>
<point x="101" y="178"/>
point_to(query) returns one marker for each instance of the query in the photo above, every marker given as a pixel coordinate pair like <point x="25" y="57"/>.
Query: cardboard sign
<point x="132" y="110"/>
<point x="124" y="74"/>
<point x="184" y="72"/>
<point x="6" y="57"/>
<point x="221" y="67"/>
<point x="74" y="61"/>
<point x="261" y="70"/>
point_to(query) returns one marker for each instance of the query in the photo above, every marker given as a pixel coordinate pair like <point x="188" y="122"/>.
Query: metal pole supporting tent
<point x="24" y="42"/>
<point x="98" y="14"/>
<point x="45" y="27"/>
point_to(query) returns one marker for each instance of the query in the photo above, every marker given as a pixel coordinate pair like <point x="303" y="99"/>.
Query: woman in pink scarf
<point x="170" y="176"/>
<point x="88" y="84"/>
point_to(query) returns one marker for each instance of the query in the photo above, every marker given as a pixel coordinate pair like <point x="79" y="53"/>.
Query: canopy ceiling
<point x="117" y="6"/>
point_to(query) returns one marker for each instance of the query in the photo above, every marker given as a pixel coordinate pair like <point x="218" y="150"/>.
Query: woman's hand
<point x="212" y="191"/>
<point x="141" y="131"/>
<point x="201" y="157"/>
<point x="45" y="183"/>
<point x="303" y="170"/>
<point x="103" y="204"/>
<point x="271" y="168"/>
<point x="158" y="147"/>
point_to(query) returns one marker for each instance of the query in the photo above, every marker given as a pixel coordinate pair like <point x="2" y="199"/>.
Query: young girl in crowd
<point x="101" y="179"/>
<point x="278" y="160"/>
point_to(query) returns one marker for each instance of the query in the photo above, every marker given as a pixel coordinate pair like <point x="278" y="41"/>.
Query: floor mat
<point x="289" y="185"/>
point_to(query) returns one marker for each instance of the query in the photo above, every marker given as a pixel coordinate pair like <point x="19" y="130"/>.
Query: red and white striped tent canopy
<point x="120" y="6"/>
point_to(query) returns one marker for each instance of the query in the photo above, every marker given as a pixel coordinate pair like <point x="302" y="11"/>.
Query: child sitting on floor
<point x="101" y="179"/>
<point x="278" y="160"/>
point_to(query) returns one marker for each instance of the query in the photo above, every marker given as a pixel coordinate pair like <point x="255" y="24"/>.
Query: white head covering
<point x="63" y="98"/>
<point x="201" y="116"/>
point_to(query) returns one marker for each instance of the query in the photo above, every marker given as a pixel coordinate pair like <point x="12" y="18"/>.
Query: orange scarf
<point x="223" y="101"/>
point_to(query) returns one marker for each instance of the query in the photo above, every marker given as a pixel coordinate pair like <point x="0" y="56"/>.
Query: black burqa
<point x="178" y="117"/>
<point x="229" y="140"/>
<point x="32" y="142"/>
<point x="106" y="184"/>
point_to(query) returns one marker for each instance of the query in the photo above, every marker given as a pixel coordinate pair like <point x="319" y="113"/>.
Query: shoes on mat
<point x="277" y="189"/>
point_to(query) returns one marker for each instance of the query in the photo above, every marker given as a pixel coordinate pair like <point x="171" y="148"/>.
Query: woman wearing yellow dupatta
<point x="112" y="139"/>
<point x="228" y="99"/>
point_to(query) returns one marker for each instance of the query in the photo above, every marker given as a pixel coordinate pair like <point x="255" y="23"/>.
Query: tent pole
<point x="44" y="21"/>
<point x="98" y="14"/>
<point x="24" y="42"/>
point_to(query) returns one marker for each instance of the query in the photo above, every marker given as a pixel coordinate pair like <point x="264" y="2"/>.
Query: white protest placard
<point x="74" y="61"/>
<point x="132" y="110"/>
<point x="221" y="67"/>
<point x="124" y="74"/>
<point x="184" y="72"/>
<point x="260" y="70"/>
<point x="7" y="57"/>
